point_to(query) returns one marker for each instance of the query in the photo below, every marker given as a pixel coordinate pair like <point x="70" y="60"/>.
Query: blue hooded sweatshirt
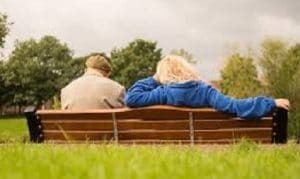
<point x="195" y="94"/>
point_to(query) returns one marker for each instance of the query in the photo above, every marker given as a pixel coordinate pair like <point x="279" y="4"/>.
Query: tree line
<point x="37" y="69"/>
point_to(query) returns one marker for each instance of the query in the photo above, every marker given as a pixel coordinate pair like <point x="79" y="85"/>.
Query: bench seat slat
<point x="220" y="141"/>
<point x="131" y="116"/>
<point x="158" y="117"/>
<point x="159" y="134"/>
<point x="158" y="125"/>
<point x="147" y="113"/>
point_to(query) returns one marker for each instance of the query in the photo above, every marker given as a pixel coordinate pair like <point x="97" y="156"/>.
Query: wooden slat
<point x="77" y="135"/>
<point x="157" y="142"/>
<point x="151" y="112"/>
<point x="220" y="141"/>
<point x="146" y="113"/>
<point x="160" y="134"/>
<point x="69" y="125"/>
<point x="70" y="116"/>
<point x="172" y="114"/>
<point x="233" y="133"/>
<point x="232" y="123"/>
<point x="157" y="125"/>
<point x="125" y="109"/>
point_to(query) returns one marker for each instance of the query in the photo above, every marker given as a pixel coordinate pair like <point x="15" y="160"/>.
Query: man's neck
<point x="92" y="71"/>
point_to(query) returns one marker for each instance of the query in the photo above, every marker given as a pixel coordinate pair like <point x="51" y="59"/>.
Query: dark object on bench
<point x="155" y="124"/>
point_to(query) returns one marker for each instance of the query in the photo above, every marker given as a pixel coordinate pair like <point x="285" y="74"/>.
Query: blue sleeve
<point x="246" y="108"/>
<point x="144" y="92"/>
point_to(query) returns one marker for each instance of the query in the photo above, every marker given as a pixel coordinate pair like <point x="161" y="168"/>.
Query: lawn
<point x="13" y="129"/>
<point x="243" y="160"/>
<point x="111" y="161"/>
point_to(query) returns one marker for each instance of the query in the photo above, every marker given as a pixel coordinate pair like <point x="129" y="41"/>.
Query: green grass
<point x="13" y="129"/>
<point x="111" y="161"/>
<point x="243" y="160"/>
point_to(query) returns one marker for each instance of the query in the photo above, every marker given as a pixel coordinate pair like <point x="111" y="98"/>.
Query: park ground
<point x="21" y="159"/>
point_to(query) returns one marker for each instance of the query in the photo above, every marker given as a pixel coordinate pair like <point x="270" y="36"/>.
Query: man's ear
<point x="107" y="74"/>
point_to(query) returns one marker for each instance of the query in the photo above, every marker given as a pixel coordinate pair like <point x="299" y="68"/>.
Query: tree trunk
<point x="20" y="109"/>
<point x="1" y="110"/>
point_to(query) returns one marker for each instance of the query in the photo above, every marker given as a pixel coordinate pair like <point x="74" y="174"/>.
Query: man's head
<point x="100" y="63"/>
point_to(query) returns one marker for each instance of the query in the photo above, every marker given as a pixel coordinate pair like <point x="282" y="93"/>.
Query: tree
<point x="185" y="54"/>
<point x="3" y="33"/>
<point x="281" y="71"/>
<point x="3" y="89"/>
<point x="239" y="77"/>
<point x="136" y="61"/>
<point x="77" y="68"/>
<point x="274" y="53"/>
<point x="37" y="70"/>
<point x="3" y="28"/>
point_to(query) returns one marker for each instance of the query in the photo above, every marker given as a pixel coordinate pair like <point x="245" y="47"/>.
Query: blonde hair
<point x="174" y="69"/>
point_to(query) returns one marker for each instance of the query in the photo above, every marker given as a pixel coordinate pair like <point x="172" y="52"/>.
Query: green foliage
<point x="37" y="70"/>
<point x="4" y="24"/>
<point x="239" y="77"/>
<point x="3" y="90"/>
<point x="185" y="54"/>
<point x="56" y="103"/>
<point x="76" y="67"/>
<point x="290" y="77"/>
<point x="274" y="53"/>
<point x="136" y="61"/>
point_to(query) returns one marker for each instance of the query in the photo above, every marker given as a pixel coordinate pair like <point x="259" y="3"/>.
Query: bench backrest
<point x="155" y="124"/>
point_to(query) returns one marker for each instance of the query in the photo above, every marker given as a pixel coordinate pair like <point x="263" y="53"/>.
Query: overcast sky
<point x="208" y="29"/>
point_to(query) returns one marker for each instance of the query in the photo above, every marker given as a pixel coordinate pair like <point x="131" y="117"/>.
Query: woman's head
<point x="174" y="69"/>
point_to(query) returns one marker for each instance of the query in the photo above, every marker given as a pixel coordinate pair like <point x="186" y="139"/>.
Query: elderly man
<point x="93" y="90"/>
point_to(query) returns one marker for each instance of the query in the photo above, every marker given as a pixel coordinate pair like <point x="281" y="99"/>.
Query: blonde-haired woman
<point x="176" y="83"/>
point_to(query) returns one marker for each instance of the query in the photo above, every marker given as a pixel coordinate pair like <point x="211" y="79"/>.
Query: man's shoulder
<point x="112" y="82"/>
<point x="92" y="80"/>
<point x="72" y="83"/>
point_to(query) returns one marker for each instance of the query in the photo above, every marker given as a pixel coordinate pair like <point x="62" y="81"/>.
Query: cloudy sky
<point x="209" y="29"/>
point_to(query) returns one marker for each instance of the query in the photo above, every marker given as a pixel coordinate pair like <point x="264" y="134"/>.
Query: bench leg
<point x="34" y="125"/>
<point x="280" y="120"/>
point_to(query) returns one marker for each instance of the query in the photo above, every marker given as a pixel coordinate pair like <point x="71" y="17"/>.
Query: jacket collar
<point x="187" y="84"/>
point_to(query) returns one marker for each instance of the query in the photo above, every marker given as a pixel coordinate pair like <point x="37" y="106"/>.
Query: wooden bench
<point x="154" y="125"/>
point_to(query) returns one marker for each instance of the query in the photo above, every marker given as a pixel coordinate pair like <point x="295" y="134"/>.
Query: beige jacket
<point x="92" y="91"/>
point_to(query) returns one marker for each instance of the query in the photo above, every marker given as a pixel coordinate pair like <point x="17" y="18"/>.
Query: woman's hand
<point x="283" y="103"/>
